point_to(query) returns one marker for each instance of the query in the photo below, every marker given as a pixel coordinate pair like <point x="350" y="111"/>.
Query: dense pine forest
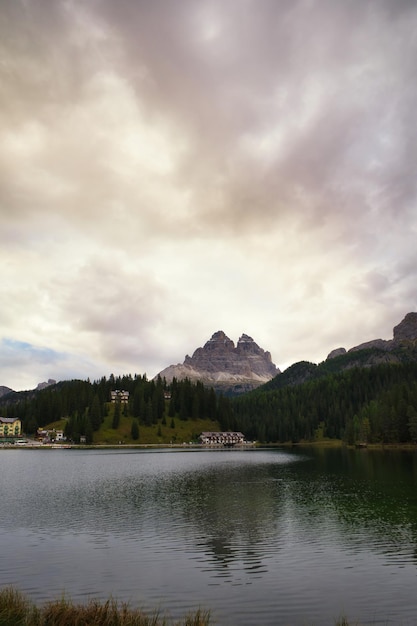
<point x="86" y="405"/>
<point x="363" y="404"/>
<point x="307" y="402"/>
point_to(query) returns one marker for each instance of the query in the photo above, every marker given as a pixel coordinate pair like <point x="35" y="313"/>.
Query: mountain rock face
<point x="380" y="344"/>
<point x="336" y="352"/>
<point x="401" y="349"/>
<point x="4" y="391"/>
<point x="224" y="366"/>
<point x="407" y="329"/>
<point x="44" y="385"/>
<point x="404" y="336"/>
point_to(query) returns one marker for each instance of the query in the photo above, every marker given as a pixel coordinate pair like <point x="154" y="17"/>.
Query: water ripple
<point x="265" y="537"/>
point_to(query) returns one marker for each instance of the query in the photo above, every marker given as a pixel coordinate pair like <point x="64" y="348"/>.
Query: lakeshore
<point x="16" y="609"/>
<point x="325" y="443"/>
<point x="272" y="536"/>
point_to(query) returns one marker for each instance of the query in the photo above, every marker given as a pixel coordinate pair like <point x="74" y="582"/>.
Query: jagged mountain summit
<point x="224" y="366"/>
<point x="401" y="349"/>
<point x="45" y="384"/>
<point x="404" y="336"/>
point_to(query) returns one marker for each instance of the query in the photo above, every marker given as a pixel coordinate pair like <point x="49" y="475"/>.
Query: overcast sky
<point x="170" y="168"/>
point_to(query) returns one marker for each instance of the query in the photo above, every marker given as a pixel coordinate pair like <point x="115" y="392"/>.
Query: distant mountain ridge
<point x="237" y="369"/>
<point x="4" y="391"/>
<point x="224" y="366"/>
<point x="404" y="334"/>
<point x="401" y="349"/>
<point x="45" y="384"/>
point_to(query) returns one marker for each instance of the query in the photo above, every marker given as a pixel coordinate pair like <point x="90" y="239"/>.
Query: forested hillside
<point x="372" y="404"/>
<point x="375" y="404"/>
<point x="304" y="371"/>
<point x="86" y="406"/>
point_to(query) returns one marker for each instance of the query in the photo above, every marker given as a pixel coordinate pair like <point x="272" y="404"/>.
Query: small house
<point x="59" y="435"/>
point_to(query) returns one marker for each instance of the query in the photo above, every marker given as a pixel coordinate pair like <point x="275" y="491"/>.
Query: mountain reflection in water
<point x="257" y="536"/>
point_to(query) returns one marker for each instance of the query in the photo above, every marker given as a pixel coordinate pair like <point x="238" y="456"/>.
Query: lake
<point x="259" y="537"/>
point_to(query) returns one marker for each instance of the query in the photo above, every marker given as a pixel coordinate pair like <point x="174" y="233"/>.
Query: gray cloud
<point x="167" y="169"/>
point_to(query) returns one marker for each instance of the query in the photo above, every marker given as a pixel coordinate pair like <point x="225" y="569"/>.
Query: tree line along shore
<point x="362" y="405"/>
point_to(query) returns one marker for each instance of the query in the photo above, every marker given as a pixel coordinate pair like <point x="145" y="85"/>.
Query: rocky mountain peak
<point x="404" y="333"/>
<point x="336" y="352"/>
<point x="219" y="342"/>
<point x="45" y="384"/>
<point x="246" y="347"/>
<point x="407" y="329"/>
<point x="222" y="365"/>
<point x="247" y="344"/>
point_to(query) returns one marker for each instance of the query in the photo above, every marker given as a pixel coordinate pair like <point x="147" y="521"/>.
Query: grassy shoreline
<point x="16" y="609"/>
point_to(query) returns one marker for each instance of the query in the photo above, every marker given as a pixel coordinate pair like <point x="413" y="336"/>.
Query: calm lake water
<point x="259" y="537"/>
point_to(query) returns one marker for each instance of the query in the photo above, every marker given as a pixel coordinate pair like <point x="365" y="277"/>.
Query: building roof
<point x="221" y="433"/>
<point x="8" y="420"/>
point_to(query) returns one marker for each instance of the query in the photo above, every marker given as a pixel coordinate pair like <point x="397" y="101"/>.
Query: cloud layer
<point x="171" y="169"/>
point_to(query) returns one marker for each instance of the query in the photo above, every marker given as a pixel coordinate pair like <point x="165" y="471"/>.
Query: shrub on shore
<point x="17" y="610"/>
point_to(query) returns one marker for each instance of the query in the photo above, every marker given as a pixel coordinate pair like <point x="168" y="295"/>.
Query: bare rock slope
<point x="224" y="366"/>
<point x="404" y="336"/>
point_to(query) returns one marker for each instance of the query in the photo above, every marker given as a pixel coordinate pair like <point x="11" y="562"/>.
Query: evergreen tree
<point x="116" y="416"/>
<point x="134" y="431"/>
<point x="412" y="423"/>
<point x="88" y="431"/>
<point x="149" y="415"/>
<point x="31" y="426"/>
<point x="137" y="400"/>
<point x="95" y="413"/>
<point x="159" y="399"/>
<point x="195" y="412"/>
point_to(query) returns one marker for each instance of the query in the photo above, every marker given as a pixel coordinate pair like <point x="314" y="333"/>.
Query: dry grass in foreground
<point x="17" y="610"/>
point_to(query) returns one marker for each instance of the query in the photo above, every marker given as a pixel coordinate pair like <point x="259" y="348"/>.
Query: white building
<point x="119" y="396"/>
<point x="211" y="438"/>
